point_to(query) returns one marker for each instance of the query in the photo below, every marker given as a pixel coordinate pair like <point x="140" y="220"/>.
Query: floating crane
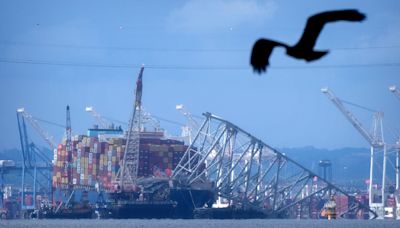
<point x="68" y="147"/>
<point x="127" y="174"/>
<point x="68" y="166"/>
<point x="376" y="141"/>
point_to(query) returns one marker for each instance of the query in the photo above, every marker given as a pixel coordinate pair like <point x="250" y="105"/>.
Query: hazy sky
<point x="196" y="52"/>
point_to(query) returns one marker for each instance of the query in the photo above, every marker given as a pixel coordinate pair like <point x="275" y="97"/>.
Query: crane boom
<point x="68" y="146"/>
<point x="27" y="156"/>
<point x="103" y="123"/>
<point x="147" y="118"/>
<point x="377" y="199"/>
<point x="127" y="175"/>
<point x="192" y="125"/>
<point x="33" y="122"/>
<point x="373" y="141"/>
<point x="395" y="90"/>
<point x="32" y="158"/>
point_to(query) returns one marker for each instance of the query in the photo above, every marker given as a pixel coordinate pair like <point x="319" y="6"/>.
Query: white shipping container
<point x="55" y="154"/>
<point x="90" y="158"/>
<point x="109" y="165"/>
<point x="7" y="163"/>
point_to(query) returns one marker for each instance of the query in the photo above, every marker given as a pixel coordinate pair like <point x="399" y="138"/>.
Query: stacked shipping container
<point x="97" y="162"/>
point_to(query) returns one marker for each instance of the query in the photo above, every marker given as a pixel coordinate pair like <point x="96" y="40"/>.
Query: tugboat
<point x="68" y="210"/>
<point x="329" y="209"/>
<point x="80" y="211"/>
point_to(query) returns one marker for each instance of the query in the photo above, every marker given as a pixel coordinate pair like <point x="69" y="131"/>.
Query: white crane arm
<point x="353" y="120"/>
<point x="33" y="122"/>
<point x="395" y="91"/>
<point x="103" y="123"/>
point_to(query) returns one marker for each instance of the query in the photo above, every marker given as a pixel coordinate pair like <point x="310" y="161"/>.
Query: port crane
<point x="127" y="174"/>
<point x="34" y="162"/>
<point x="396" y="92"/>
<point x="34" y="123"/>
<point x="377" y="145"/>
<point x="260" y="179"/>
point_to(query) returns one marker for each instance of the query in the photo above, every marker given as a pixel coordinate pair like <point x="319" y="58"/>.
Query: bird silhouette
<point x="304" y="49"/>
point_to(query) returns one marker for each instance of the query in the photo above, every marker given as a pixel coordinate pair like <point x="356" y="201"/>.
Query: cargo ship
<point x="95" y="162"/>
<point x="90" y="164"/>
<point x="96" y="159"/>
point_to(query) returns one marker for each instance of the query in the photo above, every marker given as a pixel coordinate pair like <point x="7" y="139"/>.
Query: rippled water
<point x="203" y="223"/>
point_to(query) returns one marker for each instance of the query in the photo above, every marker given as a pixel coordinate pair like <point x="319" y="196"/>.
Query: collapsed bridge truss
<point x="247" y="173"/>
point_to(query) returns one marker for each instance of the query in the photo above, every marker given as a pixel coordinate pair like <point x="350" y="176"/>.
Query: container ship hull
<point x="93" y="168"/>
<point x="80" y="213"/>
<point x="162" y="202"/>
<point x="139" y="210"/>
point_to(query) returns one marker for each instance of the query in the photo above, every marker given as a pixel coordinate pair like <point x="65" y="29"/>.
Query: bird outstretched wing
<point x="262" y="49"/>
<point x="304" y="49"/>
<point x="316" y="23"/>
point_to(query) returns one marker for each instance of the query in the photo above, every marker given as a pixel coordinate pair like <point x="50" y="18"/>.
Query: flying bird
<point x="304" y="49"/>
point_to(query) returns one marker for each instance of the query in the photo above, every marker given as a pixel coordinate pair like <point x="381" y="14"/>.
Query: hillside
<point x="350" y="166"/>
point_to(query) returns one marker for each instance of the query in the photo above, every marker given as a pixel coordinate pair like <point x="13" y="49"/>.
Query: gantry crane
<point x="44" y="134"/>
<point x="127" y="174"/>
<point x="376" y="141"/>
<point x="34" y="162"/>
<point x="396" y="92"/>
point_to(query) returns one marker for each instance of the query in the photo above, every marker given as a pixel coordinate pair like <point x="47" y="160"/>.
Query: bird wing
<point x="262" y="49"/>
<point x="316" y="22"/>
